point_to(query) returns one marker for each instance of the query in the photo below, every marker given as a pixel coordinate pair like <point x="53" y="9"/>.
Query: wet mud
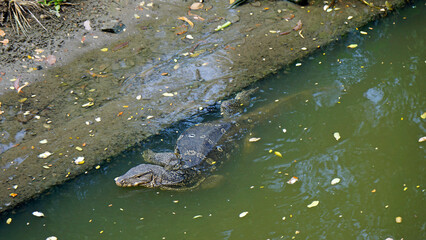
<point x="108" y="92"/>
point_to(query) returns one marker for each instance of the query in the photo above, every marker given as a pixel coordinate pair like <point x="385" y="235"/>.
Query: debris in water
<point x="422" y="139"/>
<point x="9" y="221"/>
<point x="313" y="204"/>
<point x="335" y="181"/>
<point x="293" y="180"/>
<point x="52" y="238"/>
<point x="168" y="94"/>
<point x="243" y="214"/>
<point x="44" y="155"/>
<point x="44" y="141"/>
<point x="38" y="214"/>
<point x="353" y="45"/>
<point x="197" y="216"/>
<point x="423" y="116"/>
<point x="13" y="195"/>
<point x="278" y="154"/>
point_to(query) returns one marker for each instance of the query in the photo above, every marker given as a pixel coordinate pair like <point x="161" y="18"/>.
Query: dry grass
<point x="18" y="10"/>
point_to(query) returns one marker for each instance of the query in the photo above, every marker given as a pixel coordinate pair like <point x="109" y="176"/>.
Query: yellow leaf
<point x="9" y="220"/>
<point x="104" y="49"/>
<point x="398" y="219"/>
<point x="186" y="20"/>
<point x="353" y="45"/>
<point x="423" y="116"/>
<point x="278" y="154"/>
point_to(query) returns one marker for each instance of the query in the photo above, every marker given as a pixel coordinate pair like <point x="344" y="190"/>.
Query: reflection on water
<point x="375" y="102"/>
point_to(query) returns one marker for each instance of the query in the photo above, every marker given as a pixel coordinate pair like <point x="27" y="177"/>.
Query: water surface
<point x="373" y="96"/>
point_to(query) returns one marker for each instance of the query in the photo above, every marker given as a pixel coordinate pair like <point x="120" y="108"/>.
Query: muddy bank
<point x="101" y="102"/>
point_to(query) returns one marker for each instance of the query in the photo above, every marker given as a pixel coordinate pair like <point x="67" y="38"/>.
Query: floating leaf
<point x="186" y="20"/>
<point x="293" y="180"/>
<point x="13" y="195"/>
<point x="44" y="155"/>
<point x="104" y="49"/>
<point x="423" y="116"/>
<point x="398" y="219"/>
<point x="422" y="139"/>
<point x="352" y="45"/>
<point x="44" y="141"/>
<point x="278" y="154"/>
<point x="52" y="238"/>
<point x="243" y="214"/>
<point x="336" y="136"/>
<point x="254" y="139"/>
<point x="197" y="216"/>
<point x="168" y="94"/>
<point x="38" y="214"/>
<point x="313" y="204"/>
<point x="2" y="33"/>
<point x="79" y="149"/>
<point x="9" y="221"/>
<point x="335" y="181"/>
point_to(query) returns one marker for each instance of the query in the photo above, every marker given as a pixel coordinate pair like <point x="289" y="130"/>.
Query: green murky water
<point x="373" y="96"/>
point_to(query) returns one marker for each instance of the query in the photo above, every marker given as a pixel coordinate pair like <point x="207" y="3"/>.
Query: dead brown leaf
<point x="2" y="33"/>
